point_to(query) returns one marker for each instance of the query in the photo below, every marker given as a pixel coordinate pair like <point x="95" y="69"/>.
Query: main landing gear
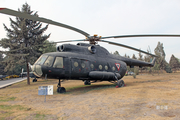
<point x="60" y="89"/>
<point x="120" y="83"/>
<point x="87" y="82"/>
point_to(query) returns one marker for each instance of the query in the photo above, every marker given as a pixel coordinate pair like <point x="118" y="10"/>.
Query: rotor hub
<point x="93" y="39"/>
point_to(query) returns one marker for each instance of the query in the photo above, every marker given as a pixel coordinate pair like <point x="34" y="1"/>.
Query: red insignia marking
<point x="2" y="8"/>
<point x="118" y="66"/>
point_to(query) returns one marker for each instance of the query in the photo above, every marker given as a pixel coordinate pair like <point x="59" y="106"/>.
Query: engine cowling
<point x="92" y="49"/>
<point x="68" y="48"/>
<point x="60" y="48"/>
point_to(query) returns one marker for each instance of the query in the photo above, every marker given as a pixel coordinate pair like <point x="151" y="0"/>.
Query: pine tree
<point x="50" y="47"/>
<point x="140" y="56"/>
<point x="1" y="65"/>
<point x="134" y="57"/>
<point x="125" y="55"/>
<point x="116" y="53"/>
<point x="174" y="63"/>
<point x="159" y="51"/>
<point x="23" y="40"/>
<point x="147" y="58"/>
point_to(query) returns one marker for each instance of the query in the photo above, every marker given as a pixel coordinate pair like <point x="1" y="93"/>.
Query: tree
<point x="23" y="40"/>
<point x="49" y="47"/>
<point x="159" y="51"/>
<point x="147" y="58"/>
<point x="116" y="53"/>
<point x="125" y="55"/>
<point x="134" y="57"/>
<point x="174" y="63"/>
<point x="140" y="56"/>
<point x="1" y="65"/>
<point x="156" y="67"/>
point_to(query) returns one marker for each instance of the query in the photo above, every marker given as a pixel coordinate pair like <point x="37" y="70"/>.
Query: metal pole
<point x="45" y="94"/>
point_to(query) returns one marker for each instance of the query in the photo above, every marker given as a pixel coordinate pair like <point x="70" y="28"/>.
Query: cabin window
<point x="58" y="62"/>
<point x="41" y="60"/>
<point x="83" y="65"/>
<point x="100" y="67"/>
<point x="49" y="61"/>
<point x="92" y="66"/>
<point x="113" y="68"/>
<point x="76" y="64"/>
<point x="106" y="67"/>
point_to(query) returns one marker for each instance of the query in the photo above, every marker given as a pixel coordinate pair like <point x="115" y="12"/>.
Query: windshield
<point x="41" y="59"/>
<point x="49" y="61"/>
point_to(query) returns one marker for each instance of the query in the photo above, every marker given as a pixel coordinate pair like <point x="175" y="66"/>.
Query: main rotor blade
<point x="69" y="41"/>
<point x="122" y="45"/>
<point x="151" y="35"/>
<point x="27" y="16"/>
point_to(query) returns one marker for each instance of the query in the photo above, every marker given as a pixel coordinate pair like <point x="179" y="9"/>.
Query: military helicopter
<point x="87" y="62"/>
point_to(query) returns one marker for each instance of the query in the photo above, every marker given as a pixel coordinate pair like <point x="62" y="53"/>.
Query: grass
<point x="150" y="81"/>
<point x="2" y="99"/>
<point x="8" y="112"/>
<point x="21" y="101"/>
<point x="40" y="116"/>
<point x="12" y="107"/>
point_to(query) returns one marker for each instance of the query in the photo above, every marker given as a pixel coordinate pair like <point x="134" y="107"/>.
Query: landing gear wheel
<point x="120" y="83"/>
<point x="87" y="82"/>
<point x="34" y="80"/>
<point x="61" y="90"/>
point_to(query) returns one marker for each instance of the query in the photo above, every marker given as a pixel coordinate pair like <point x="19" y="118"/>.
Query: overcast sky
<point x="108" y="18"/>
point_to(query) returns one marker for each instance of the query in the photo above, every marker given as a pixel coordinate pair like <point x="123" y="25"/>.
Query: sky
<point x="108" y="18"/>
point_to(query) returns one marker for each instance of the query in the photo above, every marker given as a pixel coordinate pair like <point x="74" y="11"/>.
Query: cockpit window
<point x="41" y="60"/>
<point x="49" y="61"/>
<point x="58" y="62"/>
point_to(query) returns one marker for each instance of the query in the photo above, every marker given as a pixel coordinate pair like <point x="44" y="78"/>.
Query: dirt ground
<point x="146" y="97"/>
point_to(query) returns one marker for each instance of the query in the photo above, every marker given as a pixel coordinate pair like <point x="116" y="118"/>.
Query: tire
<point x="34" y="80"/>
<point x="61" y="90"/>
<point x="120" y="83"/>
<point x="86" y="82"/>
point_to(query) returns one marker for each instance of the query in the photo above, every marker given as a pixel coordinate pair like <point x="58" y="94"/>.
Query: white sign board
<point x="50" y="90"/>
<point x="45" y="90"/>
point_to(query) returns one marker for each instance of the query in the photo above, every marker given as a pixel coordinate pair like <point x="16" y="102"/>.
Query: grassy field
<point x="146" y="97"/>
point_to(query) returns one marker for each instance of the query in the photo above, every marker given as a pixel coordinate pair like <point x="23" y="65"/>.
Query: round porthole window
<point x="83" y="65"/>
<point x="106" y="67"/>
<point x="92" y="66"/>
<point x="113" y="68"/>
<point x="75" y="64"/>
<point x="100" y="67"/>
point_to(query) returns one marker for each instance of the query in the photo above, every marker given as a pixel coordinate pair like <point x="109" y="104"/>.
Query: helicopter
<point x="87" y="62"/>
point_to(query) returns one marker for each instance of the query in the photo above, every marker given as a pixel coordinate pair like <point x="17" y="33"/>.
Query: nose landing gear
<point x="34" y="80"/>
<point x="60" y="89"/>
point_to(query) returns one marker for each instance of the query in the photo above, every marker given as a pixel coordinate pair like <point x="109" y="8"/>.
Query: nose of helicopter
<point x="37" y="70"/>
